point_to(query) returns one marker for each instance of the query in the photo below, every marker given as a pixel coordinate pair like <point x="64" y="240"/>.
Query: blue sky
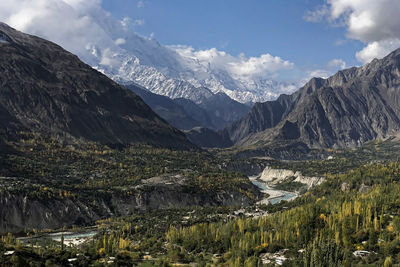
<point x="252" y="27"/>
<point x="287" y="40"/>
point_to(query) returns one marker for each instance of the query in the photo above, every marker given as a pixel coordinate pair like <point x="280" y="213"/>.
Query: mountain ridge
<point x="46" y="89"/>
<point x="347" y="109"/>
<point x="114" y="48"/>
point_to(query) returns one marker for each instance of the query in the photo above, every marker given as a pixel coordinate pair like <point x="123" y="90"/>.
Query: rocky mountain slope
<point x="204" y="137"/>
<point x="166" y="108"/>
<point x="222" y="110"/>
<point x="215" y="112"/>
<point x="45" y="89"/>
<point x="349" y="108"/>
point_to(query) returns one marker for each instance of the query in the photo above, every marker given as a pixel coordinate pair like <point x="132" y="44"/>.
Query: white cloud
<point x="138" y="22"/>
<point x="80" y="26"/>
<point x="66" y="22"/>
<point x="128" y="22"/>
<point x="140" y="4"/>
<point x="241" y="66"/>
<point x="317" y="15"/>
<point x="374" y="22"/>
<point x="336" y="64"/>
<point x="120" y="41"/>
<point x="377" y="49"/>
<point x="331" y="68"/>
<point x="109" y="58"/>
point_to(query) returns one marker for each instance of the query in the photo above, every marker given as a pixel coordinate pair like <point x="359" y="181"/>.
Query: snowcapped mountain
<point x="169" y="71"/>
<point x="111" y="46"/>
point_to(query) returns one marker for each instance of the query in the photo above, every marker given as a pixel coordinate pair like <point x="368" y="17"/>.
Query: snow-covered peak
<point x="179" y="71"/>
<point x="111" y="46"/>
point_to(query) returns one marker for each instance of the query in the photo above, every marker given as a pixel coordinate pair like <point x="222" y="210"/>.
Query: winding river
<point x="275" y="196"/>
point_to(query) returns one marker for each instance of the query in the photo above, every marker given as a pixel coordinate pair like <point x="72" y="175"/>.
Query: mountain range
<point x="76" y="147"/>
<point x="216" y="112"/>
<point x="173" y="71"/>
<point x="77" y="102"/>
<point x="347" y="109"/>
<point x="45" y="89"/>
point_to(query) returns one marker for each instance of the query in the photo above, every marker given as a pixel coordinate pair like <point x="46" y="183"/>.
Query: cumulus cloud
<point x="80" y="26"/>
<point x="238" y="67"/>
<point x="69" y="23"/>
<point x="376" y="23"/>
<point x="377" y="49"/>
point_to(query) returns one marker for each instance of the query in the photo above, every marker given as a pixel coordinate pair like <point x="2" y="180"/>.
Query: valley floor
<point x="351" y="218"/>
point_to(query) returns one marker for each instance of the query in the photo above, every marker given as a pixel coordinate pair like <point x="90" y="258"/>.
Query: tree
<point x="62" y="241"/>
<point x="388" y="262"/>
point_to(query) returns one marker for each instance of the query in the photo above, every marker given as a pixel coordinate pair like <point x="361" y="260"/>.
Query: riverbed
<point x="71" y="238"/>
<point x="275" y="195"/>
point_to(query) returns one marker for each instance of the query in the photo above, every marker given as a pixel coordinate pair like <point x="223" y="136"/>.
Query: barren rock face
<point x="349" y="108"/>
<point x="19" y="212"/>
<point x="276" y="176"/>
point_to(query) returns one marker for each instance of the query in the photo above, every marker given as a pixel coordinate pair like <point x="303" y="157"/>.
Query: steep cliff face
<point x="262" y="116"/>
<point x="276" y="176"/>
<point x="21" y="212"/>
<point x="353" y="106"/>
<point x="45" y="89"/>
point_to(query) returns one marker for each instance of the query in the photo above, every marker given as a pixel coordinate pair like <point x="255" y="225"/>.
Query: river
<point x="70" y="238"/>
<point x="275" y="195"/>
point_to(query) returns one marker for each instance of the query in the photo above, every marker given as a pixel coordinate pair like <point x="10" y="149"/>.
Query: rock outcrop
<point x="276" y="176"/>
<point x="19" y="212"/>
